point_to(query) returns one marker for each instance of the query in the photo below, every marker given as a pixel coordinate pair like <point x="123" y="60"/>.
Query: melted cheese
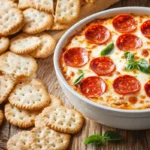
<point x="110" y="97"/>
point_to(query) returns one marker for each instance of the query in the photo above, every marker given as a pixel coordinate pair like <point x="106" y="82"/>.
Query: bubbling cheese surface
<point x="110" y="98"/>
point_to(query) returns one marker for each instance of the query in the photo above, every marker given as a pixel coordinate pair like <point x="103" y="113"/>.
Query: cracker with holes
<point x="20" y="141"/>
<point x="10" y="20"/>
<point x="24" y="44"/>
<point x="24" y="4"/>
<point x="36" y="21"/>
<point x="67" y="13"/>
<point x="47" y="47"/>
<point x="18" y="117"/>
<point x="7" y="4"/>
<point x="43" y="5"/>
<point x="19" y="66"/>
<point x="57" y="26"/>
<point x="6" y="85"/>
<point x="64" y="120"/>
<point x="48" y="139"/>
<point x="30" y="95"/>
<point x="4" y="43"/>
<point x="55" y="102"/>
<point x="1" y="117"/>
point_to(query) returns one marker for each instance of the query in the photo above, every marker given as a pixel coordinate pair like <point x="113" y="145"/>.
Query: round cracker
<point x="30" y="95"/>
<point x="7" y="4"/>
<point x="20" y="141"/>
<point x="18" y="117"/>
<point x="19" y="66"/>
<point x="1" y="117"/>
<point x="48" y="139"/>
<point x="48" y="44"/>
<point x="24" y="44"/>
<point x="6" y="85"/>
<point x="54" y="103"/>
<point x="36" y="21"/>
<point x="4" y="44"/>
<point x="11" y="19"/>
<point x="64" y="120"/>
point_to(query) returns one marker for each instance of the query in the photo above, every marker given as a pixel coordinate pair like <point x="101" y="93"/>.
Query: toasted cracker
<point x="67" y="11"/>
<point x="43" y="5"/>
<point x="24" y="4"/>
<point x="90" y="1"/>
<point x="30" y="95"/>
<point x="18" y="117"/>
<point x="57" y="26"/>
<point x="24" y="44"/>
<point x="20" y="141"/>
<point x="1" y="117"/>
<point x="48" y="44"/>
<point x="7" y="4"/>
<point x="64" y="120"/>
<point x="36" y="21"/>
<point x="55" y="102"/>
<point x="4" y="43"/>
<point x="10" y="20"/>
<point x="48" y="139"/>
<point x="6" y="85"/>
<point x="17" y="65"/>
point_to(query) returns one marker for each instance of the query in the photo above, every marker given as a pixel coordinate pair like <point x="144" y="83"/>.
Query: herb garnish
<point x="141" y="65"/>
<point x="107" y="50"/>
<point x="78" y="80"/>
<point x="101" y="139"/>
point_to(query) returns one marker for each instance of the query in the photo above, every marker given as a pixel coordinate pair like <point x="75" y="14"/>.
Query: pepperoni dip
<point x="108" y="61"/>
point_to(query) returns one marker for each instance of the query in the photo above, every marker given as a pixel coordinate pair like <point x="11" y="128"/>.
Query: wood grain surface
<point x="133" y="140"/>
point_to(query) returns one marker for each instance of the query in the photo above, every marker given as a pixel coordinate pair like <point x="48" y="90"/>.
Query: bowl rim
<point x="57" y="53"/>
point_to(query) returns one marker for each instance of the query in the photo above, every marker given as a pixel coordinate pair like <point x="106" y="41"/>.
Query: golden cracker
<point x="30" y="95"/>
<point x="67" y="13"/>
<point x="4" y="44"/>
<point x="7" y="4"/>
<point x="24" y="44"/>
<point x="64" y="120"/>
<point x="6" y="85"/>
<point x="48" y="139"/>
<point x="10" y="20"/>
<point x="43" y="5"/>
<point x="20" y="141"/>
<point x="47" y="47"/>
<point x="19" y="66"/>
<point x="24" y="4"/>
<point x="55" y="102"/>
<point x="58" y="26"/>
<point x="36" y="21"/>
<point x="18" y="117"/>
<point x="1" y="117"/>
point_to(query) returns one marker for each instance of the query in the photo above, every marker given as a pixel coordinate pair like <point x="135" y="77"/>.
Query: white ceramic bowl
<point x="124" y="119"/>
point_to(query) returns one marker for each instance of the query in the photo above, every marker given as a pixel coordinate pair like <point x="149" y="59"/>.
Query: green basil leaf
<point x="78" y="80"/>
<point x="129" y="56"/>
<point x="143" y="66"/>
<point x="79" y="70"/>
<point x="112" y="136"/>
<point x="130" y="66"/>
<point x="94" y="139"/>
<point x="107" y="50"/>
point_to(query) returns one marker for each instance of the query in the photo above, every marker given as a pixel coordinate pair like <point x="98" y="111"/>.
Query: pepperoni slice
<point x="147" y="88"/>
<point x="76" y="57"/>
<point x="124" y="23"/>
<point x="128" y="42"/>
<point x="97" y="34"/>
<point x="126" y="84"/>
<point x="102" y="66"/>
<point x="145" y="28"/>
<point x="92" y="86"/>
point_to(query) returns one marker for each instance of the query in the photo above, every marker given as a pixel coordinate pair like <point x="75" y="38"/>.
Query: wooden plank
<point x="133" y="140"/>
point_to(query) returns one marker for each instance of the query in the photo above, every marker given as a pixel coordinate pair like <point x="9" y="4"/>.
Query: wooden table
<point x="133" y="140"/>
